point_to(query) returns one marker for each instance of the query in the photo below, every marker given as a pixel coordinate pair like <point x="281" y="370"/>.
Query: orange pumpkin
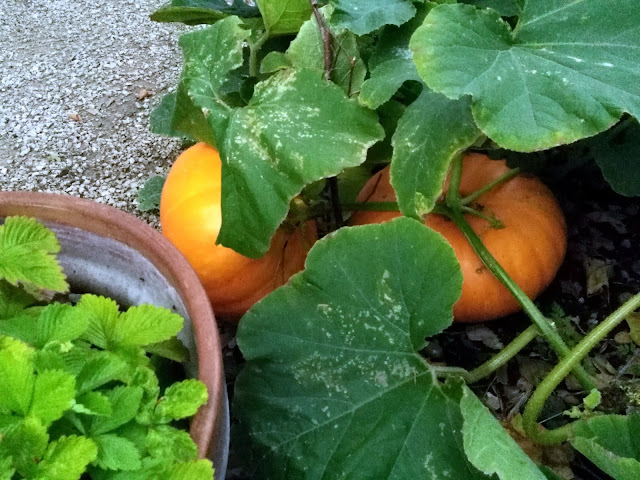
<point x="530" y="247"/>
<point x="191" y="216"/>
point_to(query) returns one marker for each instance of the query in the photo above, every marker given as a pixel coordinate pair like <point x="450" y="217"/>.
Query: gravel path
<point x="78" y="80"/>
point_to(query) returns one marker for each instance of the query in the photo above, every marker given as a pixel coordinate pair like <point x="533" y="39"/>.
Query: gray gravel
<point x="72" y="74"/>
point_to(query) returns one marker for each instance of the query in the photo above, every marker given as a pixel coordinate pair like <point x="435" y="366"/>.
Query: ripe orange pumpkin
<point x="530" y="247"/>
<point x="191" y="216"/>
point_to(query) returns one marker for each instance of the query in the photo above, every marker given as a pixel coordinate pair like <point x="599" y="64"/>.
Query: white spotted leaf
<point x="340" y="386"/>
<point x="568" y="70"/>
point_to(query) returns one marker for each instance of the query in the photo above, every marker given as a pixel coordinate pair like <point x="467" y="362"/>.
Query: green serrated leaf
<point x="149" y="194"/>
<point x="116" y="453"/>
<point x="501" y="456"/>
<point x="26" y="442"/>
<point x="93" y="403"/>
<point x="270" y="150"/>
<point x="22" y="326"/>
<point x="16" y="375"/>
<point x="432" y="131"/>
<point x="172" y="444"/>
<point x="102" y="314"/>
<point x="344" y="378"/>
<point x="198" y="470"/>
<point x="612" y="442"/>
<point x="146" y="324"/>
<point x="59" y="322"/>
<point x="307" y="51"/>
<point x="173" y="349"/>
<point x="146" y="379"/>
<point x="100" y="369"/>
<point x="12" y="300"/>
<point x="27" y="255"/>
<point x="6" y="468"/>
<point x="564" y="73"/>
<point x="284" y="16"/>
<point x="364" y="16"/>
<point x="125" y="401"/>
<point x="53" y="394"/>
<point x="181" y="400"/>
<point x="67" y="458"/>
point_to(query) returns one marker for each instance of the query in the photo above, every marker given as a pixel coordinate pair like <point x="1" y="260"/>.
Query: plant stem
<point x="326" y="39"/>
<point x="455" y="175"/>
<point x="545" y="326"/>
<point x="371" y="206"/>
<point x="494" y="222"/>
<point x="334" y="193"/>
<point x="536" y="402"/>
<point x="253" y="53"/>
<point x="503" y="356"/>
<point x="501" y="179"/>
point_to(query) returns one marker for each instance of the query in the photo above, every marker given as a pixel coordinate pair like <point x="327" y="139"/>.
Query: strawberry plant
<point x="80" y="396"/>
<point x="305" y="100"/>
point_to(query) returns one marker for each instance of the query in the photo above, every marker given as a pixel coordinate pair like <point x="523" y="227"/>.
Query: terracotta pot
<point x="109" y="252"/>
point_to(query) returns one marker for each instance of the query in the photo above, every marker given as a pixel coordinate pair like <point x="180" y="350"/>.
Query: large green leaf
<point x="27" y="255"/>
<point x="338" y="388"/>
<point x="365" y="16"/>
<point x="278" y="144"/>
<point x="271" y="148"/>
<point x="284" y="16"/>
<point x="506" y="8"/>
<point x="431" y="132"/>
<point x="502" y="455"/>
<point x="307" y="51"/>
<point x="567" y="71"/>
<point x="53" y="395"/>
<point x="193" y="12"/>
<point x="612" y="442"/>
<point x="391" y="63"/>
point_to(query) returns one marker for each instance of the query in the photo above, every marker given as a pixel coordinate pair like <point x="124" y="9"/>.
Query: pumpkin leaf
<point x="565" y="72"/>
<point x="503" y="457"/>
<point x="284" y="16"/>
<point x="365" y="16"/>
<point x="194" y="12"/>
<point x="612" y="442"/>
<point x="341" y="388"/>
<point x="615" y="155"/>
<point x="270" y="152"/>
<point x="307" y="51"/>
<point x="391" y="63"/>
<point x="506" y="8"/>
<point x="27" y="255"/>
<point x="432" y="131"/>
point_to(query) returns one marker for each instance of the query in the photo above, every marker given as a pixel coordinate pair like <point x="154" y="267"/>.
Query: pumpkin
<point x="191" y="217"/>
<point x="530" y="246"/>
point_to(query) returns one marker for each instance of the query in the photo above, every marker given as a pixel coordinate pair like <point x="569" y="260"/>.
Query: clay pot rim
<point x="118" y="225"/>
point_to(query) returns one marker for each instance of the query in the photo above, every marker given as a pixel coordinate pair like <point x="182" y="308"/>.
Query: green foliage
<point x="75" y="384"/>
<point x="194" y="12"/>
<point x="150" y="193"/>
<point x="553" y="79"/>
<point x="298" y="97"/>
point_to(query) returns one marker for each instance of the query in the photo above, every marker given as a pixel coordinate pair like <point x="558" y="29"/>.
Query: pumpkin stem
<point x="561" y="370"/>
<point x="455" y="176"/>
<point x="494" y="183"/>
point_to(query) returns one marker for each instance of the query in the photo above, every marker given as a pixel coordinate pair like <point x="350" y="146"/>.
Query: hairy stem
<point x="501" y="179"/>
<point x="503" y="356"/>
<point x="326" y="38"/>
<point x="559" y="372"/>
<point x="254" y="49"/>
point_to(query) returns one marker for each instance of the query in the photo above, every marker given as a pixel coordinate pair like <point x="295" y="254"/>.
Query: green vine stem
<point x="503" y="356"/>
<point x="561" y="370"/>
<point x="254" y="49"/>
<point x="545" y="326"/>
<point x="478" y="193"/>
